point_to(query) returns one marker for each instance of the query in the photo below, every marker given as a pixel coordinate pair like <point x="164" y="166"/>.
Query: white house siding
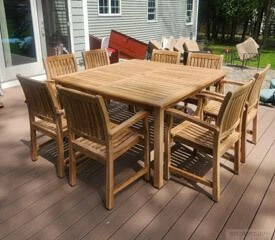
<point x="77" y="26"/>
<point x="171" y="20"/>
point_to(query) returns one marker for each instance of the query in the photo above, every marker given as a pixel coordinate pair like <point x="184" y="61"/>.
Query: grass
<point x="267" y="55"/>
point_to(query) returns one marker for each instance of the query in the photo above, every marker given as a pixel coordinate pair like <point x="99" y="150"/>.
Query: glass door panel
<point x="19" y="39"/>
<point x="17" y="33"/>
<point x="56" y="26"/>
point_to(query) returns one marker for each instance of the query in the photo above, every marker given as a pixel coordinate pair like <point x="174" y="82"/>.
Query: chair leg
<point x="60" y="157"/>
<point x="146" y="150"/>
<point x="109" y="184"/>
<point x="237" y="149"/>
<point x="255" y="129"/>
<point x="33" y="144"/>
<point x="72" y="166"/>
<point x="243" y="143"/>
<point x="167" y="156"/>
<point x="216" y="177"/>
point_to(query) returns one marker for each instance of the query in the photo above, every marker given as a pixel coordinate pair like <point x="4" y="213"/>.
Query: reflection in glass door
<point x="18" y="38"/>
<point x="56" y="28"/>
<point x="19" y="44"/>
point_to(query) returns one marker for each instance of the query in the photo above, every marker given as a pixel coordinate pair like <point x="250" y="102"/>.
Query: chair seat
<point x="50" y="127"/>
<point x="212" y="108"/>
<point x="121" y="144"/>
<point x="201" y="138"/>
<point x="193" y="133"/>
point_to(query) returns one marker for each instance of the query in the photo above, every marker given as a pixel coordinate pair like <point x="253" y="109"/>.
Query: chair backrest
<point x="205" y="60"/>
<point x="59" y="65"/>
<point x="40" y="101"/>
<point x="231" y="110"/>
<point x="95" y="58"/>
<point x="86" y="114"/>
<point x="165" y="56"/>
<point x="254" y="95"/>
<point x="191" y="46"/>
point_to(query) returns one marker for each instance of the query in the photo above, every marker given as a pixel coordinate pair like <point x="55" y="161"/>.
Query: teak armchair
<point x="211" y="108"/>
<point x="45" y="116"/>
<point x="165" y="56"/>
<point x="92" y="133"/>
<point x="95" y="58"/>
<point x="210" y="139"/>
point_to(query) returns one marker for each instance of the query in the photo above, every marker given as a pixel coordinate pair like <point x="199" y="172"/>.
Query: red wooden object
<point x="128" y="47"/>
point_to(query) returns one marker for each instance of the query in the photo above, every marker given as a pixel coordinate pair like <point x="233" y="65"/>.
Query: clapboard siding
<point x="171" y="20"/>
<point x="77" y="21"/>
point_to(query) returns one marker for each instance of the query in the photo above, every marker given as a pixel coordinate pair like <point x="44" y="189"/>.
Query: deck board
<point x="251" y="198"/>
<point x="35" y="204"/>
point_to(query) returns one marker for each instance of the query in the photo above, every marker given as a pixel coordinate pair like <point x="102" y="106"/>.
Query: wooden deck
<point x="35" y="204"/>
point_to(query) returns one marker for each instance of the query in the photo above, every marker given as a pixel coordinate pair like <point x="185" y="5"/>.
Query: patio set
<point x="76" y="104"/>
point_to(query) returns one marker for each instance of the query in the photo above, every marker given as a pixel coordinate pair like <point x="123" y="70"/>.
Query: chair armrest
<point x="129" y="122"/>
<point x="179" y="114"/>
<point x="50" y="81"/>
<point x="233" y="82"/>
<point x="211" y="95"/>
<point x="60" y="112"/>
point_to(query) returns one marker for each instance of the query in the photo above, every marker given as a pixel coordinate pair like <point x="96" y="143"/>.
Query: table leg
<point x="158" y="146"/>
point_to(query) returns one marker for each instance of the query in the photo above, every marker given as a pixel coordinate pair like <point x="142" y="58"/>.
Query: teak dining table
<point x="155" y="86"/>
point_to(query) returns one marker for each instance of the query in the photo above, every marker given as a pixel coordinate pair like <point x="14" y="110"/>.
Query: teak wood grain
<point x="153" y="85"/>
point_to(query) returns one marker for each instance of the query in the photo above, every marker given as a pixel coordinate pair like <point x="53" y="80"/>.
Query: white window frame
<point x="109" y="9"/>
<point x="156" y="11"/>
<point x="192" y="13"/>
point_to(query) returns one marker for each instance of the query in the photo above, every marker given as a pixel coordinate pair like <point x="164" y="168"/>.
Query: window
<point x="109" y="7"/>
<point x="152" y="10"/>
<point x="189" y="11"/>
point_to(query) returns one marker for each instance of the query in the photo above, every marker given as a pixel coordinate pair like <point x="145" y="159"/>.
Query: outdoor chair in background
<point x="191" y="46"/>
<point x="95" y="58"/>
<point x="178" y="46"/>
<point x="45" y="116"/>
<point x="92" y="133"/>
<point x="212" y="107"/>
<point x="247" y="51"/>
<point x="208" y="138"/>
<point x="165" y="56"/>
<point x="168" y="43"/>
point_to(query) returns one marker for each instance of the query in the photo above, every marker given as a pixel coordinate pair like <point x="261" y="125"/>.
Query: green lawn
<point x="267" y="55"/>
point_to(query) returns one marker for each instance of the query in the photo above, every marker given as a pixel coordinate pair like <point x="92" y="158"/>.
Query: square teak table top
<point x="153" y="85"/>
